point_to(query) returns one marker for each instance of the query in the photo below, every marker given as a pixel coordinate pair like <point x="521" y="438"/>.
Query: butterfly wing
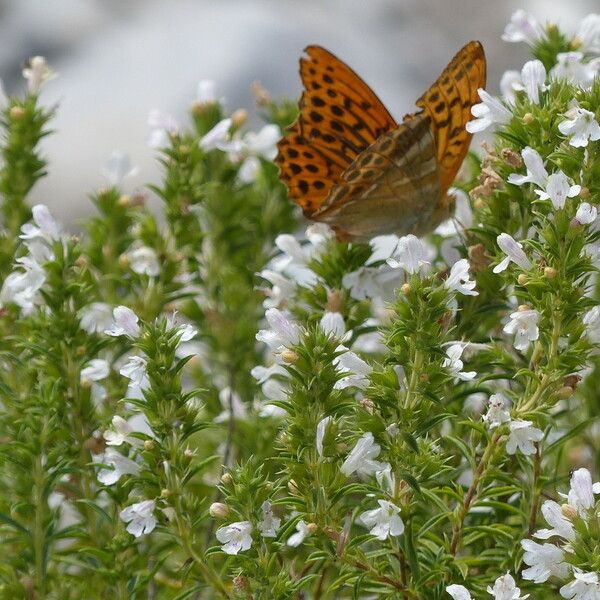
<point x="392" y="187"/>
<point x="339" y="118"/>
<point x="448" y="102"/>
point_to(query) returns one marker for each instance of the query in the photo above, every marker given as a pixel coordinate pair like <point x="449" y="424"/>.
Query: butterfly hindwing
<point x="448" y="104"/>
<point x="339" y="118"/>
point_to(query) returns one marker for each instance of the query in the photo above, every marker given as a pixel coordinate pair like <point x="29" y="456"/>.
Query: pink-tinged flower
<point x="536" y="172"/>
<point x="362" y="457"/>
<point x="139" y="517"/>
<point x="585" y="586"/>
<point x="384" y="521"/>
<point x="458" y="280"/>
<point x="410" y="254"/>
<point x="37" y="72"/>
<point x="125" y="322"/>
<point x="544" y="560"/>
<point x="561" y="526"/>
<point x="497" y="411"/>
<point x="514" y="253"/>
<point x="558" y="188"/>
<point x="490" y="111"/>
<point x="235" y="537"/>
<point x="524" y="324"/>
<point x="580" y="127"/>
<point x="522" y="436"/>
<point x="522" y="28"/>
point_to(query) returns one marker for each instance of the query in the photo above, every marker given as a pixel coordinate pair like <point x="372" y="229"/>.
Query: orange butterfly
<point x="347" y="163"/>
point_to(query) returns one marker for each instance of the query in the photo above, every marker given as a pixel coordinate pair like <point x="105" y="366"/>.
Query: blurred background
<point x="118" y="59"/>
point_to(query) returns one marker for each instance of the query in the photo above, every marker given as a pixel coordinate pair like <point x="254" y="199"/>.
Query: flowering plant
<point x="211" y="405"/>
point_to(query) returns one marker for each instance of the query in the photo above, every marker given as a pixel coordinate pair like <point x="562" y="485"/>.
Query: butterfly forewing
<point x="448" y="104"/>
<point x="339" y="118"/>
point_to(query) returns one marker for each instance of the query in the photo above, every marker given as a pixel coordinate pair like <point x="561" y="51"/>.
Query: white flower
<point x="514" y="252"/>
<point x="458" y="592"/>
<point x="282" y="289"/>
<point x="561" y="526"/>
<point x="462" y="218"/>
<point x="186" y="333"/>
<point x="135" y="369"/>
<point x="121" y="434"/>
<point x="332" y="323"/>
<point x="95" y="317"/>
<point x="570" y="66"/>
<point x="144" y="261"/>
<point x="125" y="322"/>
<point x="536" y="172"/>
<point x="303" y="530"/>
<point x="522" y="435"/>
<point x="21" y="287"/>
<point x="354" y="369"/>
<point x="588" y="34"/>
<point x="321" y="429"/>
<point x="162" y="127"/>
<point x="37" y="71"/>
<point x="505" y="589"/>
<point x="459" y="281"/>
<point x="283" y="332"/>
<point x="410" y="254"/>
<point x="497" y="411"/>
<point x="488" y="112"/>
<point x="233" y="407"/>
<point x="269" y="524"/>
<point x="118" y="167"/>
<point x="39" y="236"/>
<point x="522" y="28"/>
<point x="364" y="283"/>
<point x="264" y="142"/>
<point x="140" y="517"/>
<point x="95" y="370"/>
<point x="581" y="494"/>
<point x="533" y="76"/>
<point x="386" y="478"/>
<point x="454" y="364"/>
<point x="206" y="92"/>
<point x="361" y="458"/>
<point x="217" y="137"/>
<point x="586" y="213"/>
<point x="383" y="521"/>
<point x="119" y="465"/>
<point x="544" y="560"/>
<point x="524" y="324"/>
<point x="580" y="126"/>
<point x="235" y="537"/>
<point x="510" y="83"/>
<point x="586" y="586"/>
<point x="249" y="170"/>
<point x="558" y="189"/>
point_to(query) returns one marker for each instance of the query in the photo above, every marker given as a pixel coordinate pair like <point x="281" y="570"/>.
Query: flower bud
<point x="584" y="193"/>
<point x="423" y="377"/>
<point x="260" y="93"/>
<point x="511" y="157"/>
<point x="522" y="279"/>
<point x="165" y="493"/>
<point x="17" y="113"/>
<point x="293" y="487"/>
<point x="123" y="261"/>
<point x="368" y="405"/>
<point x="124" y="201"/>
<point x="149" y="445"/>
<point x="239" y="117"/>
<point x="312" y="528"/>
<point x="528" y="119"/>
<point x="568" y="511"/>
<point x="524" y="307"/>
<point x="550" y="272"/>
<point x="226" y="478"/>
<point x="289" y="356"/>
<point x="335" y="301"/>
<point x="405" y="289"/>
<point x="566" y="391"/>
<point x="218" y="510"/>
<point x="240" y="583"/>
<point x="479" y="203"/>
<point x="188" y="453"/>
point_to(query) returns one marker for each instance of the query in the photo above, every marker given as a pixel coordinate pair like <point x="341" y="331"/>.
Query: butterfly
<point x="347" y="162"/>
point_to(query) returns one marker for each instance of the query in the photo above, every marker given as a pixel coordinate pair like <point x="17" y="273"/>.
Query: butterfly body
<point x="347" y="163"/>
